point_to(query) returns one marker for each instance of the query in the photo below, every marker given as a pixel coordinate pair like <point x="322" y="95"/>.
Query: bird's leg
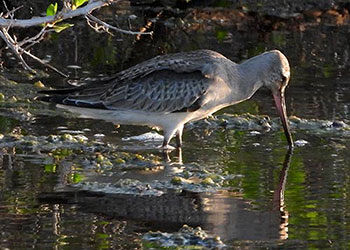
<point x="179" y="136"/>
<point x="167" y="137"/>
<point x="179" y="155"/>
<point x="168" y="134"/>
<point x="178" y="140"/>
<point x="166" y="157"/>
<point x="165" y="143"/>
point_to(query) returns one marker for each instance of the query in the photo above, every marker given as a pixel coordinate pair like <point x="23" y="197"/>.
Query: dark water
<point x="277" y="200"/>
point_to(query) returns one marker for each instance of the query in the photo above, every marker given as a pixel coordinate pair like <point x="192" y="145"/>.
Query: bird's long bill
<point x="282" y="111"/>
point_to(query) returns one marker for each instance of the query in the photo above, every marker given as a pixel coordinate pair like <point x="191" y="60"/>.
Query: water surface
<point x="275" y="199"/>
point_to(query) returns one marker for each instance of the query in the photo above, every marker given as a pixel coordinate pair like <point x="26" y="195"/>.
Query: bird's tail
<point x="55" y="95"/>
<point x="58" y="99"/>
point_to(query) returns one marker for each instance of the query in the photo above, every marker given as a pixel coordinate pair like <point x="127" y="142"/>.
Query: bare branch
<point x="44" y="63"/>
<point x="10" y="13"/>
<point x="4" y="35"/>
<point x="35" y="21"/>
<point x="18" y="51"/>
<point x="106" y="26"/>
<point x="5" y="5"/>
<point x="98" y="28"/>
<point x="148" y="24"/>
<point x="35" y="39"/>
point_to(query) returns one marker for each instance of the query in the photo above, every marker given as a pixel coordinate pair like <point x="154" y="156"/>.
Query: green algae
<point x="176" y="180"/>
<point x="208" y="181"/>
<point x="187" y="237"/>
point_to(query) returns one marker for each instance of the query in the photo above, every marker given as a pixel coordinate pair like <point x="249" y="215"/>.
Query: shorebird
<point x="170" y="90"/>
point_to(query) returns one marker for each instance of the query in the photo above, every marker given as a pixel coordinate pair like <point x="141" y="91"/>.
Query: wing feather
<point x="161" y="91"/>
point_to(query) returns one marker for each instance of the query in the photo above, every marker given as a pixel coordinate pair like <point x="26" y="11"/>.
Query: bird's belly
<point x="131" y="117"/>
<point x="206" y="111"/>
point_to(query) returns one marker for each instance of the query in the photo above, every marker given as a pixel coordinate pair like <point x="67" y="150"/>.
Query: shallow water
<point x="274" y="199"/>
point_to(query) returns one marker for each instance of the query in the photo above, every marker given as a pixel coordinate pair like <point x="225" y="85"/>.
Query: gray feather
<point x="163" y="84"/>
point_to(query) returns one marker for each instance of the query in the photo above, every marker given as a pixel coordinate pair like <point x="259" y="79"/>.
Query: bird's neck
<point x="254" y="73"/>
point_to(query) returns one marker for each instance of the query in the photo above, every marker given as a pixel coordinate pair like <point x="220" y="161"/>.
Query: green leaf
<point x="51" y="10"/>
<point x="77" y="3"/>
<point x="50" y="168"/>
<point x="60" y="27"/>
<point x="76" y="178"/>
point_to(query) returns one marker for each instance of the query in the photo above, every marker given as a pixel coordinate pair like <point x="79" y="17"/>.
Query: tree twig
<point x="44" y="63"/>
<point x="18" y="51"/>
<point x="11" y="12"/>
<point x="108" y="26"/>
<point x="35" y="38"/>
<point x="14" y="48"/>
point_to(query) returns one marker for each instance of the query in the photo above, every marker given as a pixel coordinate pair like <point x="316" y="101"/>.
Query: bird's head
<point x="278" y="71"/>
<point x="277" y="82"/>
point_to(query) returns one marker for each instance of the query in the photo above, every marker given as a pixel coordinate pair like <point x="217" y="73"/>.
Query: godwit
<point x="171" y="90"/>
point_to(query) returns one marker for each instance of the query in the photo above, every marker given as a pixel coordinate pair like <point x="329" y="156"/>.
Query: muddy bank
<point x="265" y="124"/>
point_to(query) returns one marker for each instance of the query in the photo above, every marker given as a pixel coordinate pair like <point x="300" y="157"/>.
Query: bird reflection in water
<point x="224" y="214"/>
<point x="278" y="197"/>
<point x="234" y="218"/>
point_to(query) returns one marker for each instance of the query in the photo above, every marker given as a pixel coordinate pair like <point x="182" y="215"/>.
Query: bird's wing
<point x="171" y="83"/>
<point x="160" y="91"/>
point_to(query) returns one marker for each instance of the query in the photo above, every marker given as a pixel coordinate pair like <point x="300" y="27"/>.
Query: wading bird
<point x="170" y="90"/>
